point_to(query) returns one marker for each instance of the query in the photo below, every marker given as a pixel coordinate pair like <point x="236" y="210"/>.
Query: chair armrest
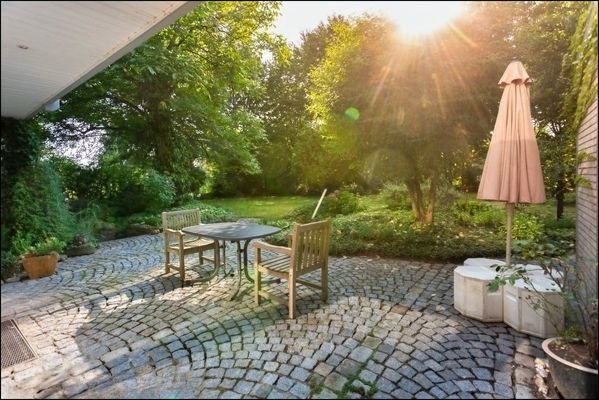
<point x="269" y="247"/>
<point x="173" y="231"/>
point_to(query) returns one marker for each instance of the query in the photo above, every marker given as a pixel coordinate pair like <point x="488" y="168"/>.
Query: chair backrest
<point x="180" y="219"/>
<point x="310" y="246"/>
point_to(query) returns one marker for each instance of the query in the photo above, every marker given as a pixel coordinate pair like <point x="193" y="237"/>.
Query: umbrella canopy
<point x="512" y="171"/>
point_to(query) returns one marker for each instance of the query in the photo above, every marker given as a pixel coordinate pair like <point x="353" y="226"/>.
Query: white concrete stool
<point x="471" y="296"/>
<point x="520" y="314"/>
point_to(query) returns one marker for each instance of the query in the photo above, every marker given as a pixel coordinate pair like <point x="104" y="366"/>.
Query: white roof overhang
<point x="51" y="47"/>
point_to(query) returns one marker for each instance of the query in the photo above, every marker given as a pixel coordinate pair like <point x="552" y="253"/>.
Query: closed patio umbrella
<point x="512" y="171"/>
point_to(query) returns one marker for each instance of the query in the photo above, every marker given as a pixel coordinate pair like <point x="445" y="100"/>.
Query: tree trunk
<point x="417" y="201"/>
<point x="559" y="195"/>
<point x="432" y="196"/>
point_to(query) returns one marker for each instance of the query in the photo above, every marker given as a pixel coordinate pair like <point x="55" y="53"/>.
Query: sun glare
<point x="418" y="18"/>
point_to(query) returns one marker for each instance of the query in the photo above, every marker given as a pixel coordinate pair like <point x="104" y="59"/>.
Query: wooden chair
<point x="180" y="244"/>
<point x="308" y="251"/>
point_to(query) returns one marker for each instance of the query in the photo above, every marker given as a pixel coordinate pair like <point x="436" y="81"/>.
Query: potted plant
<point x="572" y="357"/>
<point x="40" y="260"/>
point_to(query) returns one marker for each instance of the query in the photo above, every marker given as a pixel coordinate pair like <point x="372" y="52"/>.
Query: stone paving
<point x="113" y="325"/>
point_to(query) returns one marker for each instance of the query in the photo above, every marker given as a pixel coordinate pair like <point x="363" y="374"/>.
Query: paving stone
<point x="524" y="392"/>
<point x="284" y="383"/>
<point x="482" y="373"/>
<point x="483" y="386"/>
<point x="300" y="390"/>
<point x="348" y="368"/>
<point x="300" y="374"/>
<point x="323" y="369"/>
<point x="360" y="354"/>
<point x="325" y="394"/>
<point x="367" y="376"/>
<point x="195" y="348"/>
<point x="243" y="387"/>
<point x="335" y="381"/>
<point x="465" y="386"/>
<point x="261" y="390"/>
<point x="503" y="390"/>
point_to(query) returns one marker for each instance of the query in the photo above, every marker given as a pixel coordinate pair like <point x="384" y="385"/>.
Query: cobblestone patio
<point x="114" y="325"/>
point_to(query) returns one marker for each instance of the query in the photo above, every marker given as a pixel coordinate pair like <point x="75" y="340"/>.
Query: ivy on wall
<point x="583" y="57"/>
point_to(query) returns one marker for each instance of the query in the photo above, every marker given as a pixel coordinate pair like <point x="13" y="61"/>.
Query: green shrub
<point x="396" y="197"/>
<point x="527" y="227"/>
<point x="342" y="202"/>
<point x="38" y="207"/>
<point x="211" y="214"/>
<point x="8" y="263"/>
<point x="492" y="218"/>
<point x="145" y="191"/>
<point x="562" y="223"/>
<point x="476" y="213"/>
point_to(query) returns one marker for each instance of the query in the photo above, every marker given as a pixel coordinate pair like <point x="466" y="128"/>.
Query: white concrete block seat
<point x="521" y="308"/>
<point x="471" y="294"/>
<point x="517" y="305"/>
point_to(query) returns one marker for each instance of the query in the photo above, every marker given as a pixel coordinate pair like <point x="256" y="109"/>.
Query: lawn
<point x="268" y="207"/>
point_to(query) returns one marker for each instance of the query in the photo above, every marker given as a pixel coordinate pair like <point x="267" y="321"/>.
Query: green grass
<point x="268" y="208"/>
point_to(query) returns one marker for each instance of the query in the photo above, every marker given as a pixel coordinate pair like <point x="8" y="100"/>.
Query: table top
<point x="231" y="230"/>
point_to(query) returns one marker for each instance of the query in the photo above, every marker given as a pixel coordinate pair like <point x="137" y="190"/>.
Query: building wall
<point x="586" y="201"/>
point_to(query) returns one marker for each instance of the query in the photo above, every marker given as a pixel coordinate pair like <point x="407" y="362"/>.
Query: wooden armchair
<point x="180" y="244"/>
<point x="308" y="251"/>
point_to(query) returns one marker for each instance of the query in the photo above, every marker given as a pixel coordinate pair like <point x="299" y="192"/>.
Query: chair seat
<point x="278" y="264"/>
<point x="193" y="245"/>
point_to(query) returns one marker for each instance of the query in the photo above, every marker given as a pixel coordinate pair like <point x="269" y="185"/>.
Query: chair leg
<point x="257" y="285"/>
<point x="291" y="307"/>
<point x="324" y="282"/>
<point x="201" y="254"/>
<point x="182" y="268"/>
<point x="167" y="261"/>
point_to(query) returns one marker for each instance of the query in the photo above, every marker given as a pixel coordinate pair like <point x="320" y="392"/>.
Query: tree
<point x="286" y="159"/>
<point x="179" y="103"/>
<point x="411" y="107"/>
<point x="542" y="39"/>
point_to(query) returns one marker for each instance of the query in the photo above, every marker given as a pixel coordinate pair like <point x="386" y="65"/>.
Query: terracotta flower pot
<point x="40" y="266"/>
<point x="572" y="380"/>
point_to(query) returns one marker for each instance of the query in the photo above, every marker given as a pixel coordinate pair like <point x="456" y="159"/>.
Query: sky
<point x="416" y="17"/>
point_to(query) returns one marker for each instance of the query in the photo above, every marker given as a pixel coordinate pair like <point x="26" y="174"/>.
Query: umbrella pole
<point x="508" y="247"/>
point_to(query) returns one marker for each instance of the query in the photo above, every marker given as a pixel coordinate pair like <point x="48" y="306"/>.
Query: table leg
<point x="242" y="251"/>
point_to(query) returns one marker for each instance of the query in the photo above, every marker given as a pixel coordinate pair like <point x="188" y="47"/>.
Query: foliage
<point x="404" y="127"/>
<point x="543" y="39"/>
<point x="342" y="202"/>
<point x="582" y="58"/>
<point x="38" y="207"/>
<point x="181" y="103"/>
<point x="115" y="186"/>
<point x="396" y="196"/>
<point x="527" y="227"/>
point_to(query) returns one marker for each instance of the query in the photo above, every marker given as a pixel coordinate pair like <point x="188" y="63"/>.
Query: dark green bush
<point x="562" y="223"/>
<point x="144" y="191"/>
